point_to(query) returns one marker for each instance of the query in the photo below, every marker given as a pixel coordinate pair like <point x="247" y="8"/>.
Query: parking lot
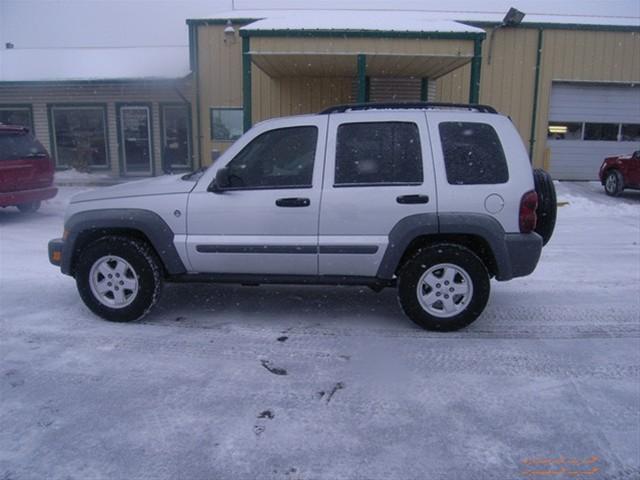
<point x="226" y="382"/>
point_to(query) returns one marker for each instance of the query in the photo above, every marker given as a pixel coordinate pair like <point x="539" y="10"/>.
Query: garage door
<point x="588" y="123"/>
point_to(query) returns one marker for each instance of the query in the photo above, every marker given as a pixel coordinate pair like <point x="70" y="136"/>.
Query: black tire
<point x="145" y="269"/>
<point x="547" y="204"/>
<point x="424" y="260"/>
<point x="613" y="183"/>
<point x="29" y="207"/>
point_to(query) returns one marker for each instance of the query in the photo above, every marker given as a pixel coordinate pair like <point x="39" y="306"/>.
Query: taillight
<point x="528" y="206"/>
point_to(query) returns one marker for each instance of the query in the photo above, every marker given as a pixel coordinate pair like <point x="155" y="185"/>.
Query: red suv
<point x="620" y="172"/>
<point x="26" y="170"/>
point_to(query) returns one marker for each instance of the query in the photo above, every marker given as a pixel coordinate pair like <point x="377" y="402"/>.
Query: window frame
<point x="121" y="144"/>
<point x="21" y="106"/>
<point x="581" y="139"/>
<point x="378" y="184"/>
<point x="163" y="106"/>
<point x="211" y="132"/>
<point x="284" y="187"/>
<point x="52" y="134"/>
<point x="584" y="132"/>
<point x="620" y="131"/>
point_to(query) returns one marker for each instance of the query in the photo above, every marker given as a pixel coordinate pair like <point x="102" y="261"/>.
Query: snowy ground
<point x="547" y="379"/>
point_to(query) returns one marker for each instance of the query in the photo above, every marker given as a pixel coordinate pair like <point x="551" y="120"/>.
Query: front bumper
<point x="19" y="197"/>
<point x="56" y="247"/>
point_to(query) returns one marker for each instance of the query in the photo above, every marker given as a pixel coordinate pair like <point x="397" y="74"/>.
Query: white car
<point x="435" y="199"/>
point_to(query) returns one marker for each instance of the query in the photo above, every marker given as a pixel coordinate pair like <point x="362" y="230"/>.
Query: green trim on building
<point x="364" y="34"/>
<point x="162" y="106"/>
<point x="536" y="88"/>
<point x="424" y="89"/>
<point x="52" y="137"/>
<point x="362" y="78"/>
<point x="367" y="91"/>
<point x="195" y="69"/>
<point x="246" y="82"/>
<point x="220" y="21"/>
<point x="21" y="106"/>
<point x="192" y="60"/>
<point x="559" y="26"/>
<point x="476" y="63"/>
<point x="123" y="172"/>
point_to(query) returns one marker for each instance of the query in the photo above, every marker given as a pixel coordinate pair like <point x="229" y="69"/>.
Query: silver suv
<point x="435" y="199"/>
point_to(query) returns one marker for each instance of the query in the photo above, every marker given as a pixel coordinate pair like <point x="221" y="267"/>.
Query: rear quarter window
<point x="473" y="154"/>
<point x="19" y="145"/>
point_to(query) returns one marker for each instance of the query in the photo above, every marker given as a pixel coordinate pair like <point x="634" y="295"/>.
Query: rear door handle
<point x="413" y="199"/>
<point x="293" y="202"/>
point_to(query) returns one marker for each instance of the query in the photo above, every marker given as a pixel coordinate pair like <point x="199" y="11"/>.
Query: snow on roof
<point x="584" y="12"/>
<point x="352" y="20"/>
<point x="95" y="64"/>
<point x="97" y="39"/>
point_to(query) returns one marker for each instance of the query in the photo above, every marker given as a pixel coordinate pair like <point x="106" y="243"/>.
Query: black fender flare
<point x="150" y="224"/>
<point x="477" y="224"/>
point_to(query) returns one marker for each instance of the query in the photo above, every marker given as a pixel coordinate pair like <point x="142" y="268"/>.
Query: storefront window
<point x="16" y="116"/>
<point x="80" y="136"/>
<point x="226" y="124"/>
<point x="176" y="142"/>
<point x="564" y="131"/>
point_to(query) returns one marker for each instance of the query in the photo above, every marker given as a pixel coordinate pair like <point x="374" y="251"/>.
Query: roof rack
<point x="407" y="106"/>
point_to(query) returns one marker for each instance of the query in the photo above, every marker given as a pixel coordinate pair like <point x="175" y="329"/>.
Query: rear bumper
<point x="56" y="247"/>
<point x="523" y="251"/>
<point x="18" y="197"/>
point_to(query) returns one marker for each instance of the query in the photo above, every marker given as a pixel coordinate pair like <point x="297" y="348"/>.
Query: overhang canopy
<point x="423" y="54"/>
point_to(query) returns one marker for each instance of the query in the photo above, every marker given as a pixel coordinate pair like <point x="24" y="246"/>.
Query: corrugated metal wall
<point x="41" y="96"/>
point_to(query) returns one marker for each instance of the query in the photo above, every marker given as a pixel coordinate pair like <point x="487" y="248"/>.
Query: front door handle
<point x="413" y="199"/>
<point x="293" y="202"/>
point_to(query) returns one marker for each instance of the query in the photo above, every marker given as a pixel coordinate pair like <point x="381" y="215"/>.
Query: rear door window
<point x="378" y="153"/>
<point x="14" y="146"/>
<point x="473" y="154"/>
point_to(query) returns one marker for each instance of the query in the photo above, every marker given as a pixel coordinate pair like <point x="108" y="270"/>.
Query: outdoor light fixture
<point x="229" y="33"/>
<point x="513" y="18"/>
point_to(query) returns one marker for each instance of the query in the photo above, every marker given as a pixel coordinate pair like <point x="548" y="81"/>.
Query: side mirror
<point x="221" y="182"/>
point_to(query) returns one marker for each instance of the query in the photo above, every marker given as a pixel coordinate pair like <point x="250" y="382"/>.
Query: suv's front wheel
<point x="118" y="278"/>
<point x="443" y="287"/>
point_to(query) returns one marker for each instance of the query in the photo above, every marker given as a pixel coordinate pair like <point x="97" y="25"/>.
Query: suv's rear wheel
<point x="443" y="287"/>
<point x="547" y="204"/>
<point x="613" y="183"/>
<point x="29" y="207"/>
<point x="118" y="278"/>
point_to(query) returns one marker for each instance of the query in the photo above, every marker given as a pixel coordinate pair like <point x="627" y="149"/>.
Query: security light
<point x="513" y="17"/>
<point x="229" y="33"/>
